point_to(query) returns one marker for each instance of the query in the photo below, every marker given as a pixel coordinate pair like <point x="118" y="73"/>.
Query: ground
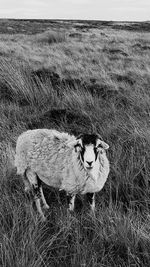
<point x="77" y="76"/>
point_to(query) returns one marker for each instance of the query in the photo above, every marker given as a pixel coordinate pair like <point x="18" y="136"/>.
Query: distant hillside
<point x="32" y="26"/>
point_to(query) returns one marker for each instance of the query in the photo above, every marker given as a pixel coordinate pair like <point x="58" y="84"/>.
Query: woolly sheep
<point x="60" y="160"/>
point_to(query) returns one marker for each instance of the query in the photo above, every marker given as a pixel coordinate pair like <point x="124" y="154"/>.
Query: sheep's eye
<point x="99" y="146"/>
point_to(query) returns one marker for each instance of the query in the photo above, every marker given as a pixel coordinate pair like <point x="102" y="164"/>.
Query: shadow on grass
<point x="58" y="117"/>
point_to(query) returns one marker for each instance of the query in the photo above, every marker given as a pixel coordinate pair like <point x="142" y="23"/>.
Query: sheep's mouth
<point x="89" y="168"/>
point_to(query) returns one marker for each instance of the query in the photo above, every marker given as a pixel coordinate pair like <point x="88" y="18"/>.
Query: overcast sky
<point x="76" y="9"/>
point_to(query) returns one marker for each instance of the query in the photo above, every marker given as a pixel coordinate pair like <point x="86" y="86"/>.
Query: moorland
<point x="77" y="76"/>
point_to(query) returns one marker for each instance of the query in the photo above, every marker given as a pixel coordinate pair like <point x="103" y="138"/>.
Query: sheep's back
<point x="49" y="156"/>
<point x="39" y="145"/>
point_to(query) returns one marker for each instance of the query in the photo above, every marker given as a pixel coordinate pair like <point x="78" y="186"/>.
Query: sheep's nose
<point x="89" y="163"/>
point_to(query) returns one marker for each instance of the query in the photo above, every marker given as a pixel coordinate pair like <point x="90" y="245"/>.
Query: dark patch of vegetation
<point x="46" y="75"/>
<point x="58" y="117"/>
<point x="137" y="26"/>
<point x="50" y="37"/>
<point x="124" y="78"/>
<point x="34" y="26"/>
<point x="105" y="91"/>
<point x="76" y="35"/>
<point x="25" y="26"/>
<point x="115" y="51"/>
<point x="58" y="83"/>
<point x="141" y="46"/>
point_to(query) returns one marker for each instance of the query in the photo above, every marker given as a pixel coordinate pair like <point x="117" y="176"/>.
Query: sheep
<point x="63" y="161"/>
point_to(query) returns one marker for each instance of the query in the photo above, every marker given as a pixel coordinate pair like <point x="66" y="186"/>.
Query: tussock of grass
<point x="18" y="85"/>
<point x="50" y="37"/>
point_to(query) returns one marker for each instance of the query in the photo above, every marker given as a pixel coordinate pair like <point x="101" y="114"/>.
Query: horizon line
<point x="74" y="19"/>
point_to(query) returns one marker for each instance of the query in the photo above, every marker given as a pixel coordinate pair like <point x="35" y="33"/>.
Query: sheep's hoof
<point x="43" y="218"/>
<point x="92" y="212"/>
<point x="27" y="190"/>
<point x="71" y="208"/>
<point x="70" y="211"/>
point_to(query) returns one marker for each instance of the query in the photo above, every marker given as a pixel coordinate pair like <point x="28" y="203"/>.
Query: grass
<point x="92" y="77"/>
<point x="50" y="37"/>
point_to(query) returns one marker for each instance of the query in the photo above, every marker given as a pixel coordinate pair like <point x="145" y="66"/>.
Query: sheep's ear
<point x="79" y="136"/>
<point x="78" y="145"/>
<point x="102" y="144"/>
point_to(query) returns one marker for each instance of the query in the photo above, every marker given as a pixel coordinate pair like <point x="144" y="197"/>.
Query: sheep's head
<point x="88" y="146"/>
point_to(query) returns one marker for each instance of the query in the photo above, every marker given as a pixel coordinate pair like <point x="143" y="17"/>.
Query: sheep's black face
<point x="89" y="146"/>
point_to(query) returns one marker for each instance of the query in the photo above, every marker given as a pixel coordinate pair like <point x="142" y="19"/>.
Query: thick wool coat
<point x="48" y="153"/>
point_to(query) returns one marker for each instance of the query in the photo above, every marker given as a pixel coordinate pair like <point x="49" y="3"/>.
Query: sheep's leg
<point x="37" y="198"/>
<point x="71" y="200"/>
<point x="27" y="186"/>
<point x="33" y="180"/>
<point x="46" y="206"/>
<point x="91" y="200"/>
<point x="38" y="206"/>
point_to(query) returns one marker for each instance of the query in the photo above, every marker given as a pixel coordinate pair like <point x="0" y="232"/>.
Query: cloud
<point x="76" y="9"/>
<point x="77" y="2"/>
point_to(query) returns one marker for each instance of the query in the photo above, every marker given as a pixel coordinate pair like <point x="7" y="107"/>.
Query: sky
<point x="124" y="10"/>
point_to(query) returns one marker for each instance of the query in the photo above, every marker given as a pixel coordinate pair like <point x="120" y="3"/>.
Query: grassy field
<point x="77" y="76"/>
